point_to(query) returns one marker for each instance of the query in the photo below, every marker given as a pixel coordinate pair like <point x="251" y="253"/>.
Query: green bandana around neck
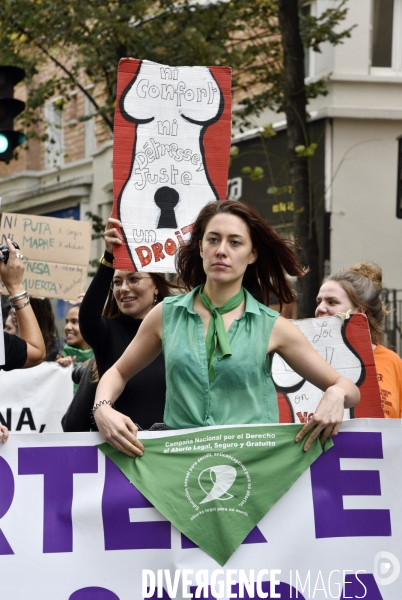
<point x="82" y="355"/>
<point x="216" y="334"/>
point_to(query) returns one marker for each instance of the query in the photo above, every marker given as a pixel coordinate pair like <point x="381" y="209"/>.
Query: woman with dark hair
<point x="274" y="256"/>
<point x="359" y="290"/>
<point x="11" y="326"/>
<point x="44" y="315"/>
<point x="109" y="328"/>
<point x="218" y="339"/>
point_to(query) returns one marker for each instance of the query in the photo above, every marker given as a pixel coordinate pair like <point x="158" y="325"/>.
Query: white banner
<point x="34" y="400"/>
<point x="73" y="528"/>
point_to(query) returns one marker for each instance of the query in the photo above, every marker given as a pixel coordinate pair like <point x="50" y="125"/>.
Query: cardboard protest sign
<point x="346" y="345"/>
<point x="170" y="156"/>
<point x="56" y="253"/>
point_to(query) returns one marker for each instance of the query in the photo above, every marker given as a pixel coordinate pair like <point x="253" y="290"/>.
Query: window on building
<point x="54" y="130"/>
<point x="306" y="11"/>
<point x="386" y="48"/>
<point x="383" y="13"/>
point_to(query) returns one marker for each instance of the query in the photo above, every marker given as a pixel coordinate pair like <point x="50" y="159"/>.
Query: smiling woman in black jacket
<point x="109" y="329"/>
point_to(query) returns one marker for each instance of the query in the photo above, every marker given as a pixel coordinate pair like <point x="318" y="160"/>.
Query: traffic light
<point x="9" y="108"/>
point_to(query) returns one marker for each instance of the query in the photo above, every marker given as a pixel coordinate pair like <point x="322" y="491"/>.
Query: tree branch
<point x="68" y="73"/>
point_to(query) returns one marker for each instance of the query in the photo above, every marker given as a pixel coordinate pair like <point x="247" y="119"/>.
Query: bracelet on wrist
<point x="105" y="262"/>
<point x="17" y="307"/>
<point x="19" y="296"/>
<point x="99" y="404"/>
<point x="108" y="255"/>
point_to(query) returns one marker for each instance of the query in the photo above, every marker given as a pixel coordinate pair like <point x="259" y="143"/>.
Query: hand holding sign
<point x="327" y="419"/>
<point x="344" y="345"/>
<point x="112" y="235"/>
<point x="11" y="267"/>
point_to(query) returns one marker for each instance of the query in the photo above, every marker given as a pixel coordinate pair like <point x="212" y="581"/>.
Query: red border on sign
<point x="216" y="143"/>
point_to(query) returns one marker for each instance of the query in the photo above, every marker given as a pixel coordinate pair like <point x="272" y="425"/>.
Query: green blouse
<point x="242" y="392"/>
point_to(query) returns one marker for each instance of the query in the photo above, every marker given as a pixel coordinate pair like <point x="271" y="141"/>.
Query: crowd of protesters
<point x="229" y="269"/>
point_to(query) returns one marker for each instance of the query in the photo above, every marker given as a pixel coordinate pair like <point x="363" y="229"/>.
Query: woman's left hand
<point x="327" y="419"/>
<point x="290" y="343"/>
<point x="112" y="235"/>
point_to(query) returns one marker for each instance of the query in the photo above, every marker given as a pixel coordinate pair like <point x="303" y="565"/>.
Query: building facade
<point x="355" y="126"/>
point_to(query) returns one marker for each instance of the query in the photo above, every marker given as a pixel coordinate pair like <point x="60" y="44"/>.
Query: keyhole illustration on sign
<point x="177" y="121"/>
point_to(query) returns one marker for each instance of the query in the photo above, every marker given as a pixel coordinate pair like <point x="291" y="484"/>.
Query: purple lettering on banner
<point x="362" y="585"/>
<point x="57" y="465"/>
<point x="254" y="537"/>
<point x="330" y="484"/>
<point x="285" y="591"/>
<point x="194" y="588"/>
<point x="119" y="495"/>
<point x="93" y="593"/>
<point x="6" y="498"/>
<point x="186" y="543"/>
<point x="155" y="596"/>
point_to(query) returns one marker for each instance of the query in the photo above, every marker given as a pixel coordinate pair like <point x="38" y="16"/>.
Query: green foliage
<point x="302" y="151"/>
<point x="84" y="40"/>
<point x="316" y="30"/>
<point x="255" y="173"/>
<point x="267" y="70"/>
<point x="268" y="131"/>
<point x="98" y="226"/>
<point x="275" y="191"/>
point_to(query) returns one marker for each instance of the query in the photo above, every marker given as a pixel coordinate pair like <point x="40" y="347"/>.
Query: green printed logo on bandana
<point x="216" y="484"/>
<point x="214" y="477"/>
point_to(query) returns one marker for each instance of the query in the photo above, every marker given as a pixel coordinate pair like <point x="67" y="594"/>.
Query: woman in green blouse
<point x="218" y="339"/>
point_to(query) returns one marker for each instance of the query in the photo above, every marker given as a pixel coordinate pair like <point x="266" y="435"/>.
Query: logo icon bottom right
<point x="386" y="568"/>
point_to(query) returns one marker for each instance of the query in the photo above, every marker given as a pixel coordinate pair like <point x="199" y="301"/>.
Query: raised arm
<point x="91" y="325"/>
<point x="116" y="428"/>
<point x="340" y="393"/>
<point x="12" y="275"/>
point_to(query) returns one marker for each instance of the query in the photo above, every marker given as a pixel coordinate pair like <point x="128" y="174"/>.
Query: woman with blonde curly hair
<point x="359" y="290"/>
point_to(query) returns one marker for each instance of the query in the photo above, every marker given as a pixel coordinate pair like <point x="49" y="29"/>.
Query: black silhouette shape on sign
<point x="166" y="199"/>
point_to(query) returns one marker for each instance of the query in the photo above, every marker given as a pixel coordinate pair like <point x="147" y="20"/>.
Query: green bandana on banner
<point x="216" y="484"/>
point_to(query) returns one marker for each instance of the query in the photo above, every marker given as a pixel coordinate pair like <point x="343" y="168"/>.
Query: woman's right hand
<point x="12" y="271"/>
<point x="3" y="433"/>
<point x="65" y="361"/>
<point x="118" y="430"/>
<point x="112" y="235"/>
